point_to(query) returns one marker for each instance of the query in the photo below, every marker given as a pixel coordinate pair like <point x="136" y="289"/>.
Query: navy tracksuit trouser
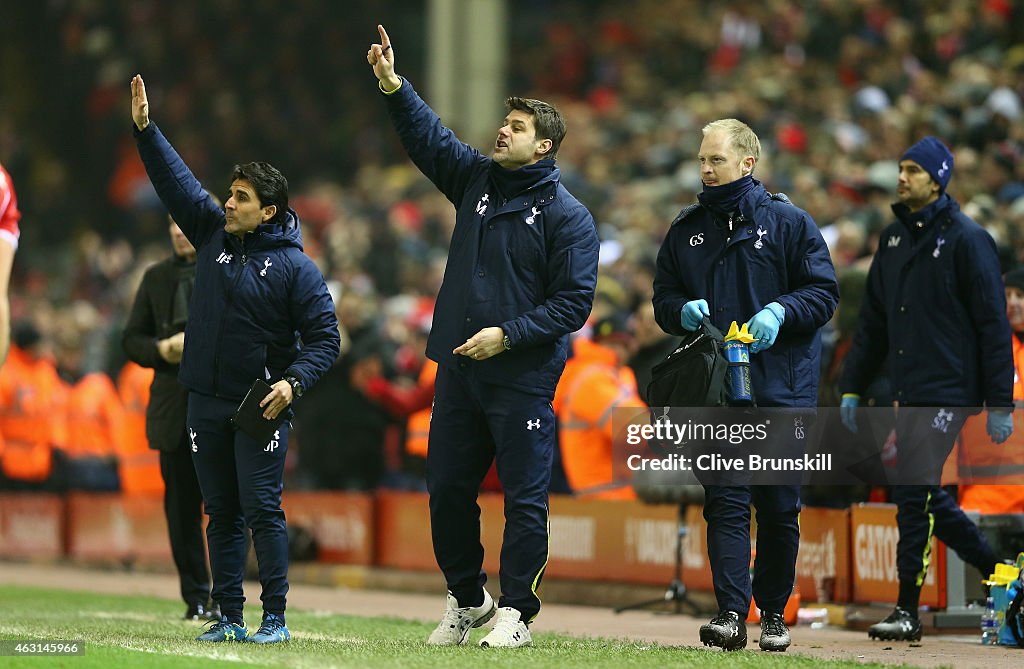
<point x="241" y="482"/>
<point x="727" y="501"/>
<point x="472" y="424"/>
<point x="727" y="512"/>
<point x="924" y="439"/>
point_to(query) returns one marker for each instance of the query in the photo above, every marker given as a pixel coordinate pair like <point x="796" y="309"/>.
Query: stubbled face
<point x="243" y="211"/>
<point x="182" y="246"/>
<point x="720" y="163"/>
<point x="1015" y="308"/>
<point x="915" y="187"/>
<point x="517" y="144"/>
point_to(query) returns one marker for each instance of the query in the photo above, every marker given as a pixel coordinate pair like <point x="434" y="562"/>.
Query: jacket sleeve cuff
<point x="148" y="130"/>
<point x="512" y="332"/>
<point x="380" y="85"/>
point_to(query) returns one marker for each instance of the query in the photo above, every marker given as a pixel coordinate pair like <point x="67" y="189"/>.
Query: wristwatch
<point x="507" y="343"/>
<point x="296" y="385"/>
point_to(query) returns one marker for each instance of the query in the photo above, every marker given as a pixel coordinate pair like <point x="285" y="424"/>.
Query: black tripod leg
<point x="676" y="591"/>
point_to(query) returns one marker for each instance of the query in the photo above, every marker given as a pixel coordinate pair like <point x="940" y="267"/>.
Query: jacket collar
<point x="924" y="218"/>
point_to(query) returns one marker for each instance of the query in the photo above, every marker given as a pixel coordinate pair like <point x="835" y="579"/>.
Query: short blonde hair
<point x="740" y="136"/>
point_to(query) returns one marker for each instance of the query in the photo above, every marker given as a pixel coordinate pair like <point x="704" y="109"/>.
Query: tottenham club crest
<point x="761" y="232"/>
<point x="481" y="206"/>
<point x="938" y="246"/>
<point x="942" y="420"/>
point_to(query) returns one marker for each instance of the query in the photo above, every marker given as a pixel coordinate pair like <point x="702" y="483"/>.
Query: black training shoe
<point x="199" y="612"/>
<point x="900" y="625"/>
<point x="726" y="631"/>
<point x="774" y="633"/>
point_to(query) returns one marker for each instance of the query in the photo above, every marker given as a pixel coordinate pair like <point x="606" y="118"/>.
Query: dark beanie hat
<point x="1014" y="278"/>
<point x="934" y="157"/>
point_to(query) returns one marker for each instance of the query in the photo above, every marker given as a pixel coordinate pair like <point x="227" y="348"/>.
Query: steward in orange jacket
<point x="138" y="464"/>
<point x="996" y="473"/>
<point x="94" y="421"/>
<point x="595" y="383"/>
<point x="29" y="420"/>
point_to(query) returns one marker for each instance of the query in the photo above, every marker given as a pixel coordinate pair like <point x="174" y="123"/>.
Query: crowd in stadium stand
<point x="833" y="88"/>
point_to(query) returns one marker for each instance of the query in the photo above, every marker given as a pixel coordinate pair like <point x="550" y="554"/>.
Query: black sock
<point x="476" y="601"/>
<point x="909" y="597"/>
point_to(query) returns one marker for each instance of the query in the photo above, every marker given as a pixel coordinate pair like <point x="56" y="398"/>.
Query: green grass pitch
<point x="124" y="632"/>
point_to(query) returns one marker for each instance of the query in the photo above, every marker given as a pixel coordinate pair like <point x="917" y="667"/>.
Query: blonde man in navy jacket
<point x="746" y="255"/>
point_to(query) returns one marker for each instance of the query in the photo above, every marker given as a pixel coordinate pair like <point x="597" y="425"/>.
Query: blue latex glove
<point x="999" y="425"/>
<point x="848" y="411"/>
<point x="764" y="326"/>
<point x="693" y="313"/>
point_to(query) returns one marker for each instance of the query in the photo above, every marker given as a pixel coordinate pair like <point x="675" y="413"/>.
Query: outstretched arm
<point x="437" y="152"/>
<point x="196" y="213"/>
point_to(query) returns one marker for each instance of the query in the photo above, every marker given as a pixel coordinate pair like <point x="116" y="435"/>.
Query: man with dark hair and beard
<point x="521" y="275"/>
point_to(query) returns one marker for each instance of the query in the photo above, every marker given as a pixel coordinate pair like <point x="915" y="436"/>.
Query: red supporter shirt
<point x="9" y="213"/>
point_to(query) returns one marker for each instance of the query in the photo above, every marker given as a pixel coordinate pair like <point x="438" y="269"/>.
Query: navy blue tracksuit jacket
<point x="526" y="264"/>
<point x="774" y="253"/>
<point x="257" y="298"/>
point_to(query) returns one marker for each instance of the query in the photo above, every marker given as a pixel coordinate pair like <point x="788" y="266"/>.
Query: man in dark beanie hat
<point x="934" y="307"/>
<point x="933" y="157"/>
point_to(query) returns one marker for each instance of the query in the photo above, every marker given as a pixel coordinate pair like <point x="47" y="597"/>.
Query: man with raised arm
<point x="521" y="273"/>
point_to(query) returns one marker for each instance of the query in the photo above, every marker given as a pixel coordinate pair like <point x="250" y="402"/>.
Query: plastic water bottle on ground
<point x="989" y="624"/>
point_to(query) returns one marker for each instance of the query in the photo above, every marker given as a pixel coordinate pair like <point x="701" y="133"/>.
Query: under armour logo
<point x="192" y="434"/>
<point x="533" y="424"/>
<point x="274" y="443"/>
<point x="533" y="214"/>
<point x="938" y="245"/>
<point x="266" y="266"/>
<point x="894" y="241"/>
<point x="224" y="258"/>
<point x="230" y="635"/>
<point x="761" y="232"/>
<point x="481" y="206"/>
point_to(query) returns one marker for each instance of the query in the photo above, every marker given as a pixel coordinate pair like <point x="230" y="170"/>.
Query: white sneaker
<point x="509" y="631"/>
<point x="456" y="623"/>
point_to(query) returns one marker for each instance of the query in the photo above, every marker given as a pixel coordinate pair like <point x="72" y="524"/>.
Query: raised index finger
<point x="384" y="41"/>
